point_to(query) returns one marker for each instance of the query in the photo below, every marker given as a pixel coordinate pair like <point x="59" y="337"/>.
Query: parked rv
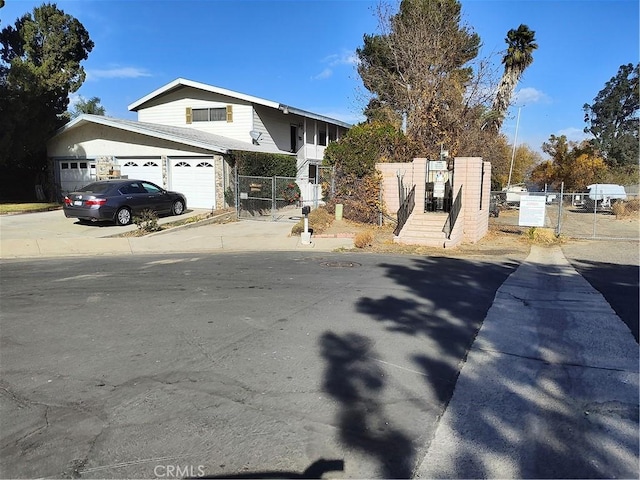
<point x="514" y="192"/>
<point x="603" y="195"/>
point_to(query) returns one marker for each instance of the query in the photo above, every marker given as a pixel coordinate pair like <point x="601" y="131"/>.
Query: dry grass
<point x="626" y="209"/>
<point x="544" y="236"/>
<point x="7" y="208"/>
<point x="364" y="239"/>
<point x="319" y="220"/>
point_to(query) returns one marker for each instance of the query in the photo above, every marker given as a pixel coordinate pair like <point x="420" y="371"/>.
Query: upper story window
<point x="322" y="137"/>
<point x="210" y="114"/>
<point x="333" y="133"/>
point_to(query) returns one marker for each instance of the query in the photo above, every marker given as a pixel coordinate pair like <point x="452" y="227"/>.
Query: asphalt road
<point x="612" y="268"/>
<point x="182" y="365"/>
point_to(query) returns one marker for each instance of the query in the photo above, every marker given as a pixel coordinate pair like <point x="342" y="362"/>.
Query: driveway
<point x="54" y="224"/>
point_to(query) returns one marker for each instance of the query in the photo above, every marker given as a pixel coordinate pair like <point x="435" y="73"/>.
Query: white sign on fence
<point x="437" y="165"/>
<point x="532" y="211"/>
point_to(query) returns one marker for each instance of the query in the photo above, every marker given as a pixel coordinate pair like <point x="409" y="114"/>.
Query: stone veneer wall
<point x="220" y="179"/>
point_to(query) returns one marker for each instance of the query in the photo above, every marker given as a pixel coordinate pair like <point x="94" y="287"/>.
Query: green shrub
<point x="230" y="196"/>
<point x="256" y="164"/>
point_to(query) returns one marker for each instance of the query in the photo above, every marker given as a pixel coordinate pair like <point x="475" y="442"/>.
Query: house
<point x="182" y="140"/>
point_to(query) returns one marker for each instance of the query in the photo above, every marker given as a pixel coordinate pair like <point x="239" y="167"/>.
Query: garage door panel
<point x="142" y="169"/>
<point x="195" y="178"/>
<point x="76" y="174"/>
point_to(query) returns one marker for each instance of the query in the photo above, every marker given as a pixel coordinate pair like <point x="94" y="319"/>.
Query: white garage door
<point x="142" y="169"/>
<point x="76" y="174"/>
<point x="195" y="178"/>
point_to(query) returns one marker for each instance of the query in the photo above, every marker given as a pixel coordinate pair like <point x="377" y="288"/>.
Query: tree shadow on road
<point x="444" y="301"/>
<point x="356" y="381"/>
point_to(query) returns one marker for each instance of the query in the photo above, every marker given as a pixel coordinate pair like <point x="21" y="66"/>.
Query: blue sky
<point x="301" y="52"/>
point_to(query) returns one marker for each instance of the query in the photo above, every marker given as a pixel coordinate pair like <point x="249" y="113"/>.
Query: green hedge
<point x="265" y="164"/>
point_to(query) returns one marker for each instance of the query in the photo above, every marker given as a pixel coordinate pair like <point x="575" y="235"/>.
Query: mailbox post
<point x="305" y="236"/>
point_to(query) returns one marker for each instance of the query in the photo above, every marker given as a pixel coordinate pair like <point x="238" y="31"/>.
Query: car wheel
<point x="123" y="216"/>
<point x="178" y="207"/>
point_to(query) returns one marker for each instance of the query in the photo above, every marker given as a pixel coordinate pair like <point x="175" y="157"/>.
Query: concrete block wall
<point x="390" y="173"/>
<point x="476" y="186"/>
<point x="472" y="173"/>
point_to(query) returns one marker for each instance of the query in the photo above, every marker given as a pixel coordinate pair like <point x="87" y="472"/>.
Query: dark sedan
<point x="120" y="200"/>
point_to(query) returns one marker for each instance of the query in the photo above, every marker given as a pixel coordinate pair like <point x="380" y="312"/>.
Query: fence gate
<point x="267" y="198"/>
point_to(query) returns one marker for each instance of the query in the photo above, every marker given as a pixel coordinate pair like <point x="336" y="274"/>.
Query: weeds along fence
<point x="572" y="215"/>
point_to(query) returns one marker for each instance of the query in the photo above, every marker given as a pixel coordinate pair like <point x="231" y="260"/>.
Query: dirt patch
<point x="218" y="216"/>
<point x="500" y="240"/>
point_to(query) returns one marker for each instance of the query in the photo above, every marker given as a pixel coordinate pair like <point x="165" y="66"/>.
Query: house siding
<point x="103" y="140"/>
<point x="170" y="109"/>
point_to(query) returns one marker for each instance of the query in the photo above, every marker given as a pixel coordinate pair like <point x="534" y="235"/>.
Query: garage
<point x="75" y="174"/>
<point x="149" y="169"/>
<point x="195" y="178"/>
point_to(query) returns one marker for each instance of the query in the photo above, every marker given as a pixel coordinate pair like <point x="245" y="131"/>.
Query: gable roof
<point x="182" y="82"/>
<point x="181" y="135"/>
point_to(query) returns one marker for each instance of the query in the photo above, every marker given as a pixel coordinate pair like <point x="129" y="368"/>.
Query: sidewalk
<point x="549" y="388"/>
<point x="203" y="238"/>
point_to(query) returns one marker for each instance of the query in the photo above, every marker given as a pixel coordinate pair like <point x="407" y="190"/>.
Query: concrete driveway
<point x="54" y="224"/>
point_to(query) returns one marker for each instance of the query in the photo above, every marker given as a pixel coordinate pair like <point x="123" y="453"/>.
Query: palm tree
<point x="521" y="44"/>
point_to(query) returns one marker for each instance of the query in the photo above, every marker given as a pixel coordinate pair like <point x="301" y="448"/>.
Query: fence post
<point x="380" y="220"/>
<point x="237" y="190"/>
<point x="595" y="210"/>
<point x="273" y="198"/>
<point x="560" y="205"/>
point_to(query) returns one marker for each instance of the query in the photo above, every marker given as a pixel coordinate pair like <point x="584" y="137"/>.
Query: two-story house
<point x="182" y="140"/>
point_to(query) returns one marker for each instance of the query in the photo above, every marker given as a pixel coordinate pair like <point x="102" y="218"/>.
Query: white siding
<point x="172" y="111"/>
<point x="96" y="140"/>
<point x="276" y="127"/>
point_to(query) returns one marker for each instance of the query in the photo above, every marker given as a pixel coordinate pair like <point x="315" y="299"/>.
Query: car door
<point x="157" y="198"/>
<point x="134" y="196"/>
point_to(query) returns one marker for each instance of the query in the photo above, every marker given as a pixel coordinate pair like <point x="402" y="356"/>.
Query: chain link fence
<point x="572" y="215"/>
<point x="267" y="198"/>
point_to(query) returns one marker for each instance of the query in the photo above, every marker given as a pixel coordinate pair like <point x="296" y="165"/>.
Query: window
<point x="64" y="166"/>
<point x="322" y="137"/>
<point x="205" y="165"/>
<point x="150" y="164"/>
<point x="131" y="164"/>
<point x="150" y="187"/>
<point x="212" y="114"/>
<point x="131" y="188"/>
<point x="313" y="173"/>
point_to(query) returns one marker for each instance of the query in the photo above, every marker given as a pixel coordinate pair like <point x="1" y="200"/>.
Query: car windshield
<point x="96" y="188"/>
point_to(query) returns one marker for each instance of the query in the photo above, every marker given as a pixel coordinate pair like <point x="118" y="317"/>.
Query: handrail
<point x="405" y="210"/>
<point x="453" y="214"/>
